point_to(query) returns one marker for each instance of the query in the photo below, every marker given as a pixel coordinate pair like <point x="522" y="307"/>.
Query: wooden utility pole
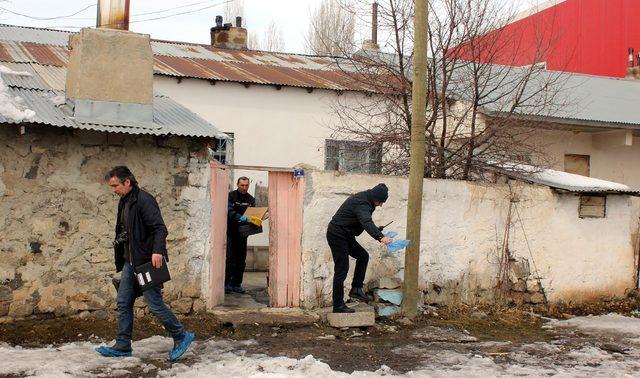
<point x="416" y="171"/>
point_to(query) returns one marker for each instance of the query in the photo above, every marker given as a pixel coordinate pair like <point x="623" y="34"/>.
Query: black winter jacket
<point x="146" y="229"/>
<point x="354" y="216"/>
<point x="238" y="204"/>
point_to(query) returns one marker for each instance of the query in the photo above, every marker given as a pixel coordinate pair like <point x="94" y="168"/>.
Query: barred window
<point x="224" y="151"/>
<point x="352" y="156"/>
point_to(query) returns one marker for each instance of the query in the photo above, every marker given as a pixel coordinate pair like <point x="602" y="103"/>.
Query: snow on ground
<point x="566" y="355"/>
<point x="11" y="107"/>
<point x="609" y="323"/>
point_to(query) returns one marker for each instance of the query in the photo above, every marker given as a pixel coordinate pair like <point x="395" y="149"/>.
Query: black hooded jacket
<point x="146" y="228"/>
<point x="354" y="216"/>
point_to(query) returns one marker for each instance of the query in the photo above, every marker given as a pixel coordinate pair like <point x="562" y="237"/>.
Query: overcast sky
<point x="193" y="26"/>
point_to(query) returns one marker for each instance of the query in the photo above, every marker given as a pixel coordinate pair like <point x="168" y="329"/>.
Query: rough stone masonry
<point x="58" y="218"/>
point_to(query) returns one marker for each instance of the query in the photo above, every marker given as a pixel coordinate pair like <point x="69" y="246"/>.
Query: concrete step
<point x="364" y="316"/>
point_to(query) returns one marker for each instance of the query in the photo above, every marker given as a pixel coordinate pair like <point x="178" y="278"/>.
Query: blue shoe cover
<point x="111" y="352"/>
<point x="397" y="245"/>
<point x="180" y="349"/>
<point x="390" y="234"/>
<point x="238" y="289"/>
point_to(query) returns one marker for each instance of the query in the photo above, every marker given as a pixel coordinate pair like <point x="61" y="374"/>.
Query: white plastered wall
<point x="463" y="226"/>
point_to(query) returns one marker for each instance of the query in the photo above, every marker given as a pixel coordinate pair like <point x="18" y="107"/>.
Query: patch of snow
<point x="8" y="71"/>
<point x="58" y="100"/>
<point x="563" y="180"/>
<point x="225" y="358"/>
<point x="12" y="107"/>
<point x="613" y="323"/>
<point x="570" y="180"/>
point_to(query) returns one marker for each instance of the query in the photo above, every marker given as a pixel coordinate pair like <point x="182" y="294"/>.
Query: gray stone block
<point x="364" y="316"/>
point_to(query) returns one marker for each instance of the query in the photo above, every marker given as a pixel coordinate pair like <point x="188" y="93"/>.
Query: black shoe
<point x="343" y="309"/>
<point x="358" y="293"/>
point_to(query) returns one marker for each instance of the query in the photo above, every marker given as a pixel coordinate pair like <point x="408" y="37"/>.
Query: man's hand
<point x="386" y="240"/>
<point x="244" y="219"/>
<point x="156" y="260"/>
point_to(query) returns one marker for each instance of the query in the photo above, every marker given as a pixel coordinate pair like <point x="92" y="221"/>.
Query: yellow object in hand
<point x="255" y="220"/>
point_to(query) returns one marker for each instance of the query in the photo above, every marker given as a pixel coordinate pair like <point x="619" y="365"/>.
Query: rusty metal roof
<point x="49" y="48"/>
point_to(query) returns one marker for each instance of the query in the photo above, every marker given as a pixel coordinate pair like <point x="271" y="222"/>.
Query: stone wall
<point x="58" y="218"/>
<point x="554" y="254"/>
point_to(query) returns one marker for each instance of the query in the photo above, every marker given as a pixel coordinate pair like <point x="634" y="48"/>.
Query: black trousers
<point x="236" y="259"/>
<point x="342" y="246"/>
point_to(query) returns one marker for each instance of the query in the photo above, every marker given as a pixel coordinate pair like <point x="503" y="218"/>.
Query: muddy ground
<point x="344" y="350"/>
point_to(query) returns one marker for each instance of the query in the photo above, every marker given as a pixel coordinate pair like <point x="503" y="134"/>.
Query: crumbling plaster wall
<point x="463" y="226"/>
<point x="58" y="218"/>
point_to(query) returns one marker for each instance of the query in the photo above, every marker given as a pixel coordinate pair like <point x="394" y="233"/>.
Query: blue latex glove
<point x="397" y="245"/>
<point x="244" y="219"/>
<point x="390" y="234"/>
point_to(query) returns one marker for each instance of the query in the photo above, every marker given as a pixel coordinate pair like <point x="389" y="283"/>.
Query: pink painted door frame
<point x="219" y="193"/>
<point x="286" y="194"/>
<point x="285" y="236"/>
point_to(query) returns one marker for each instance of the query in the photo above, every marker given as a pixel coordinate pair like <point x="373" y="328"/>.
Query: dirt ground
<point x="344" y="350"/>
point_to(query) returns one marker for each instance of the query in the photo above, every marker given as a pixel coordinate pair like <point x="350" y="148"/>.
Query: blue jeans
<point x="125" y="299"/>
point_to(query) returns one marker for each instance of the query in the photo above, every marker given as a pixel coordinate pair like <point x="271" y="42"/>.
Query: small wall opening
<point x="592" y="206"/>
<point x="577" y="164"/>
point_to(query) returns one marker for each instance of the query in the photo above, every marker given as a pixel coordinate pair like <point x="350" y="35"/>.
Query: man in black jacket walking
<point x="239" y="201"/>
<point x="140" y="238"/>
<point x="353" y="217"/>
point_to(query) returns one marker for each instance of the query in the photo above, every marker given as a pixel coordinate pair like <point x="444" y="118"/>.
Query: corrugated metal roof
<point x="34" y="35"/>
<point x="28" y="52"/>
<point x="169" y="117"/>
<point x="553" y="96"/>
<point x="27" y="45"/>
<point x="41" y="77"/>
<point x="580" y="98"/>
<point x="32" y="81"/>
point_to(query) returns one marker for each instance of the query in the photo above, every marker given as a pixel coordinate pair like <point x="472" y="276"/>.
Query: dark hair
<point x="242" y="178"/>
<point x="122" y="173"/>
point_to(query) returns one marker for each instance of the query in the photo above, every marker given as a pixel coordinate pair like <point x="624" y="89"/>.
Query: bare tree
<point x="332" y="29"/>
<point x="273" y="40"/>
<point x="233" y="9"/>
<point x="253" y="41"/>
<point x="474" y="106"/>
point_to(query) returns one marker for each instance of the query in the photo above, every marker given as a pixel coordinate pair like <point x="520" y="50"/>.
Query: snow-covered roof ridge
<point x="566" y="181"/>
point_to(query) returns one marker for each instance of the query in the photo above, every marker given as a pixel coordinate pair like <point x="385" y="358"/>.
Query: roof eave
<point x="564" y="121"/>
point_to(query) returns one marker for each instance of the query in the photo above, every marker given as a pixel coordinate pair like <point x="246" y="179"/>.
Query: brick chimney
<point x="110" y="77"/>
<point x="228" y="36"/>
<point x="113" y="14"/>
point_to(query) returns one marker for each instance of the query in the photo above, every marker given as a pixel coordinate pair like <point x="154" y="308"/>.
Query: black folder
<point x="148" y="276"/>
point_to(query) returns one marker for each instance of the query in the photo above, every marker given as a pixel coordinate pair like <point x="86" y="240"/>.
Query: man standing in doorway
<point x="349" y="221"/>
<point x="140" y="238"/>
<point x="239" y="201"/>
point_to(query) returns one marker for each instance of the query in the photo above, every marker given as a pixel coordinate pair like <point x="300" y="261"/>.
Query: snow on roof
<point x="566" y="181"/>
<point x="13" y="107"/>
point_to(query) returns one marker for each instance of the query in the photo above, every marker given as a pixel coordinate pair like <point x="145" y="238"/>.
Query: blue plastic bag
<point x="397" y="245"/>
<point x="390" y="234"/>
